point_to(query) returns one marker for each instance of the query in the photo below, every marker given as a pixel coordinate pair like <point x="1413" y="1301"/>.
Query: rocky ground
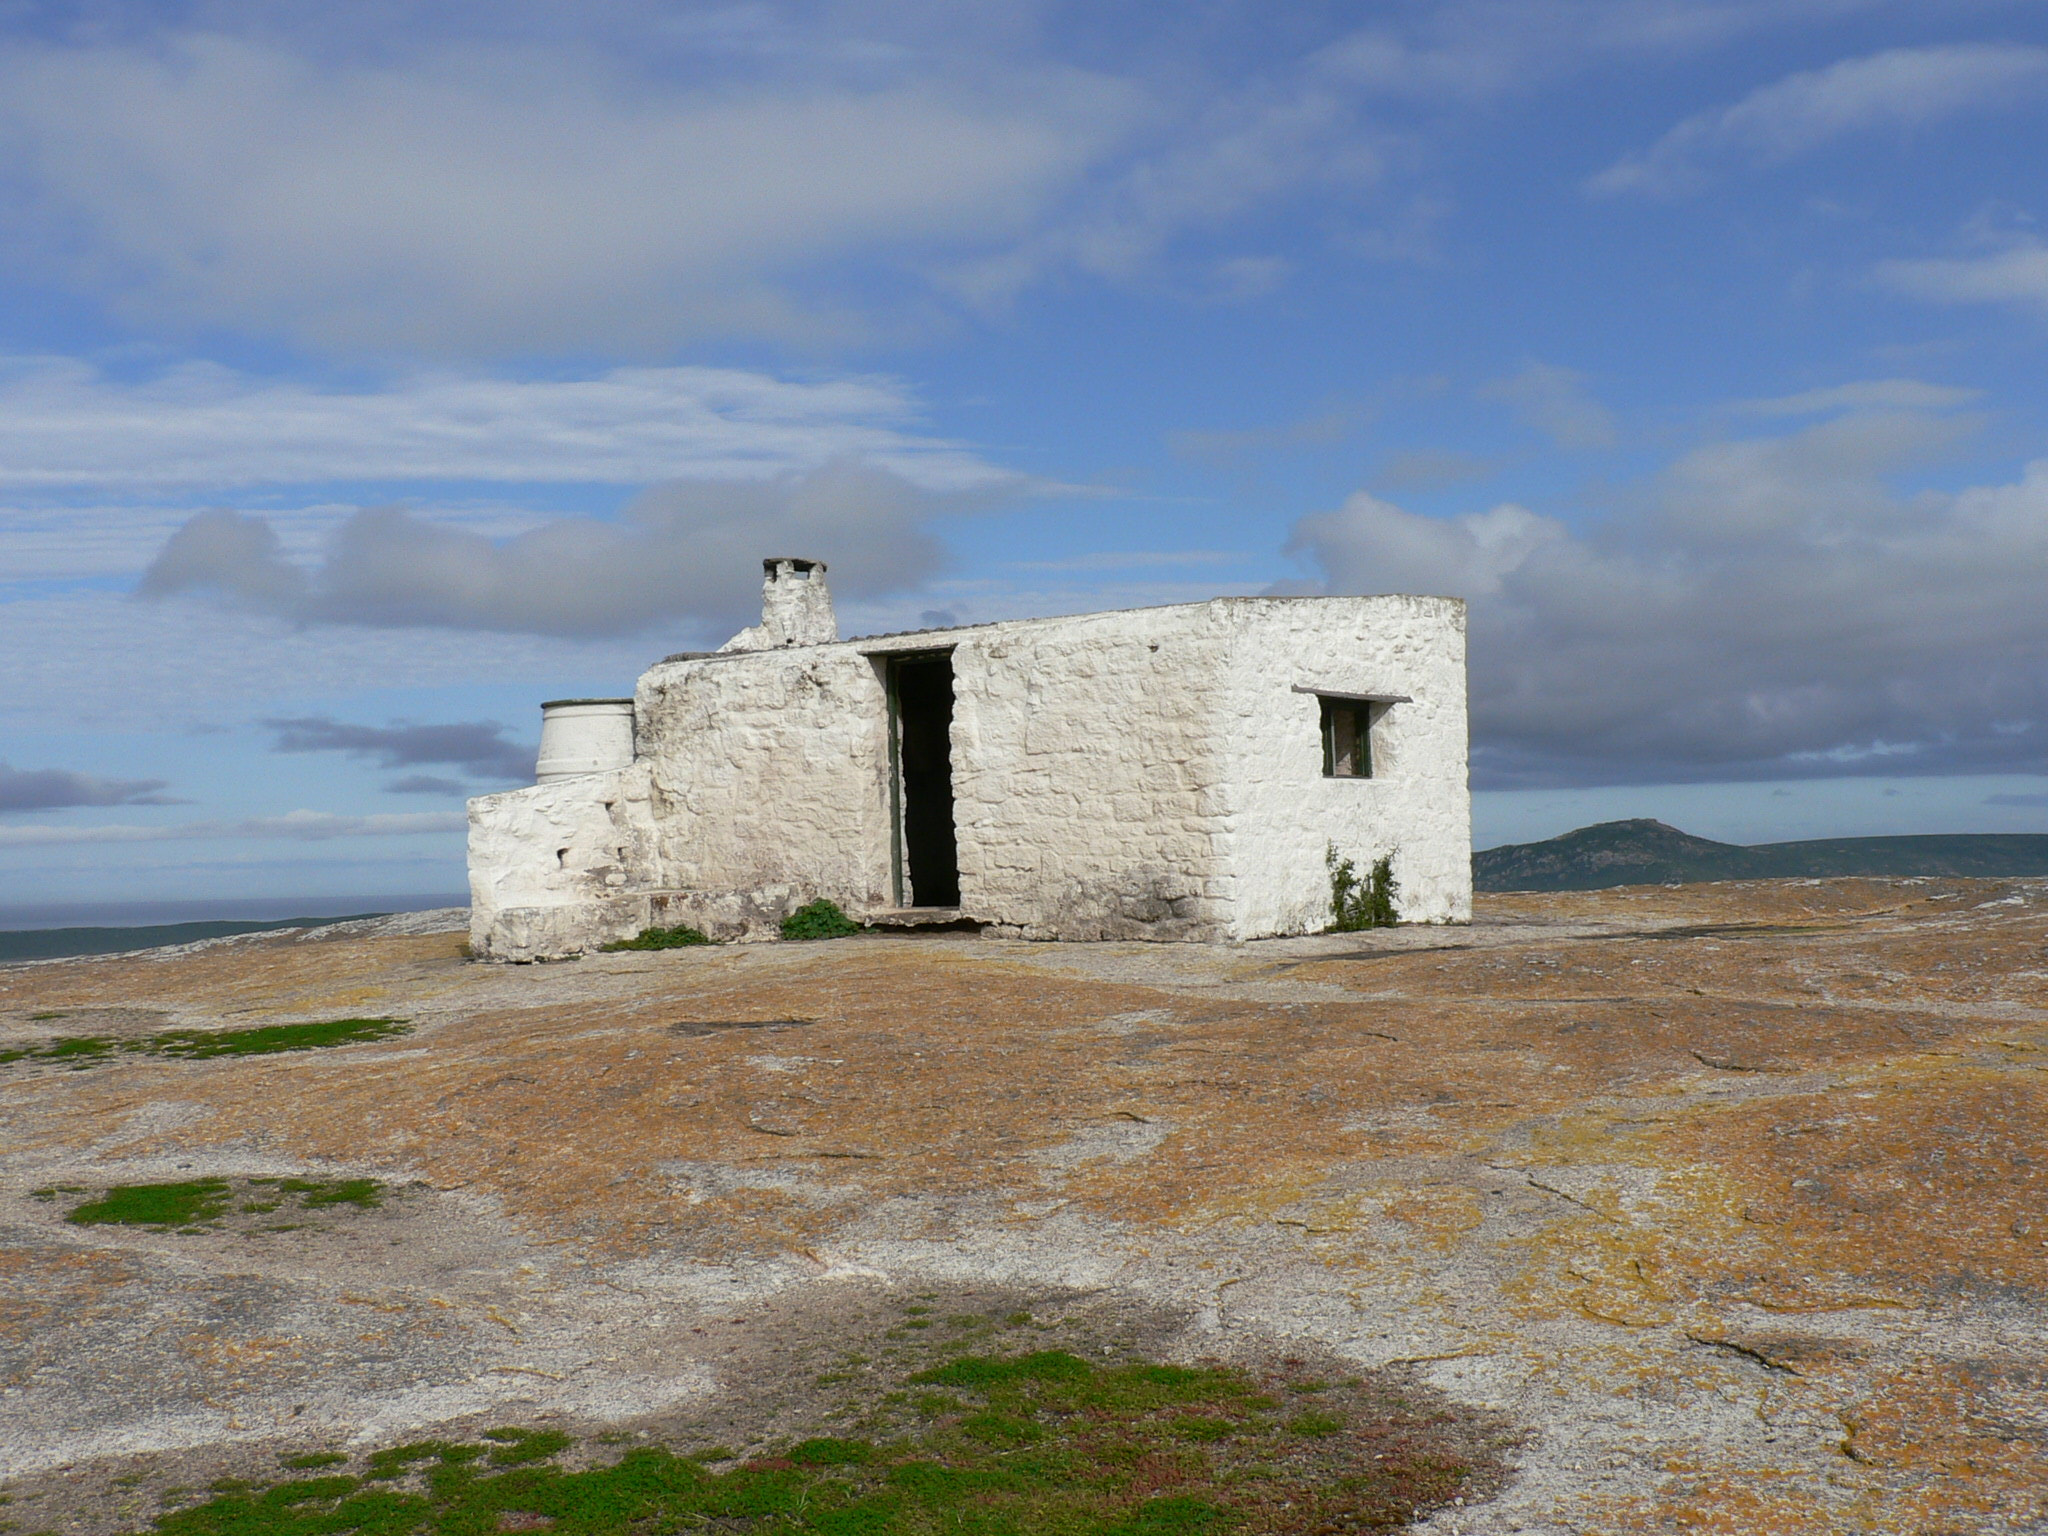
<point x="1724" y="1207"/>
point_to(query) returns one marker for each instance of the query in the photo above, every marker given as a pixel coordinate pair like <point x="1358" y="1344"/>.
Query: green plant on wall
<point x="821" y="919"/>
<point x="680" y="937"/>
<point x="1357" y="903"/>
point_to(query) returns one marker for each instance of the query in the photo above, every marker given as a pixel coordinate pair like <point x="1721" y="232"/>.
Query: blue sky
<point x="370" y="373"/>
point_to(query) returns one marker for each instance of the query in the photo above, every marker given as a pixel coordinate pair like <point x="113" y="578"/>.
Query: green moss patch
<point x="155" y="1205"/>
<point x="193" y="1203"/>
<point x="1039" y="1444"/>
<point x="80" y="1051"/>
<point x="269" y="1039"/>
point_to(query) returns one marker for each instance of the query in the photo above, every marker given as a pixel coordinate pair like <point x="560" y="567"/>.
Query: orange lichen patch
<point x="1612" y="1276"/>
<point x="945" y="1075"/>
<point x="1917" y="1187"/>
<point x="290" y="973"/>
<point x="1736" y="1499"/>
<point x="1921" y="1450"/>
<point x="41" y="1286"/>
<point x="239" y="1355"/>
<point x="1442" y="1213"/>
<point x="1956" y="1418"/>
<point x="1733" y="902"/>
<point x="1755" y="1160"/>
<point x="1866" y="936"/>
<point x="1903" y="1193"/>
<point x="915" y="1077"/>
<point x="544" y="1107"/>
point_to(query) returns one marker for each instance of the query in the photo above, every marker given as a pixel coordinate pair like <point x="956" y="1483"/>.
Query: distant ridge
<point x="1646" y="852"/>
<point x="61" y="943"/>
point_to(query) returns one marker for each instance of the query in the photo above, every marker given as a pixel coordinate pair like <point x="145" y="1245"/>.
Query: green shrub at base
<point x="1356" y="904"/>
<point x="822" y="919"/>
<point x="682" y="936"/>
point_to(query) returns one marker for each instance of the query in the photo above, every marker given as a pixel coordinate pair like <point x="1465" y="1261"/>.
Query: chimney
<point x="796" y="608"/>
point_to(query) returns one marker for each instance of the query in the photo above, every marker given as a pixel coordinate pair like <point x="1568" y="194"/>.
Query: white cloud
<point x="1898" y="88"/>
<point x="1556" y="403"/>
<point x="303" y="826"/>
<point x="68" y="427"/>
<point x="1213" y="156"/>
<point x="479" y="198"/>
<point x="1342" y="121"/>
<point x="97" y="661"/>
<point x="1778" y="609"/>
<point x="1371" y="545"/>
<point x="681" y="551"/>
<point x="2017" y="276"/>
<point x="510" y="180"/>
<point x="1863" y="395"/>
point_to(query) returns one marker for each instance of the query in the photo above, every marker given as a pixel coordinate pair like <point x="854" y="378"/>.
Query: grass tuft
<point x="1051" y="1445"/>
<point x="83" y="1051"/>
<point x="364" y="1194"/>
<point x="186" y="1205"/>
<point x="271" y="1039"/>
<point x="155" y="1205"/>
<point x="827" y="1452"/>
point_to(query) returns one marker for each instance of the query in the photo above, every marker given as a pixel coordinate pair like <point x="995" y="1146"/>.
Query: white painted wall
<point x="1087" y="780"/>
<point x="1142" y="774"/>
<point x="769" y="772"/>
<point x="1284" y="814"/>
<point x="579" y="736"/>
<point x="560" y="867"/>
<point x="796" y="608"/>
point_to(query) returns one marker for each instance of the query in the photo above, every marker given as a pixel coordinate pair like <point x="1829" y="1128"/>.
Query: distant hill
<point x="1645" y="852"/>
<point x="58" y="943"/>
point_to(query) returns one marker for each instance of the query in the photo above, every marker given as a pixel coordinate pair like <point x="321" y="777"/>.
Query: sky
<point x="370" y="373"/>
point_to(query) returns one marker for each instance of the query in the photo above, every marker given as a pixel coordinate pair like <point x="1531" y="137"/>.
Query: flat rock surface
<point x="1732" y="1199"/>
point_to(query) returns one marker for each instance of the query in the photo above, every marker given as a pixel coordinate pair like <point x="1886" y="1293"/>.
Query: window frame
<point x="1365" y="711"/>
<point x="1338" y="714"/>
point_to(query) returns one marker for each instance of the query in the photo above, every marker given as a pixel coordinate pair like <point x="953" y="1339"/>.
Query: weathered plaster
<point x="560" y="867"/>
<point x="1152" y="773"/>
<point x="1284" y="814"/>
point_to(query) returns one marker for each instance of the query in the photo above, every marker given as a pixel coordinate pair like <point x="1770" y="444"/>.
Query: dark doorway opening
<point x="921" y="704"/>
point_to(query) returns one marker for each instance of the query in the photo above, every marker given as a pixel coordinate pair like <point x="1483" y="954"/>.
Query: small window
<point x="1347" y="739"/>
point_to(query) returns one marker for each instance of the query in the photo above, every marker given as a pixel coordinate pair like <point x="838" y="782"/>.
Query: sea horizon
<point x="29" y="916"/>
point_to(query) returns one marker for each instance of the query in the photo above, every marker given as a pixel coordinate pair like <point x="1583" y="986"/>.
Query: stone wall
<point x="1087" y="776"/>
<point x="1143" y="774"/>
<point x="770" y="780"/>
<point x="561" y="867"/>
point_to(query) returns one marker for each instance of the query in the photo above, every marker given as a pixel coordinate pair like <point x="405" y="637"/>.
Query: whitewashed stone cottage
<point x="1154" y="773"/>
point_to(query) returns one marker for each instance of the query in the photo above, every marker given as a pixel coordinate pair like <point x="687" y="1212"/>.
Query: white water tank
<point x="584" y="736"/>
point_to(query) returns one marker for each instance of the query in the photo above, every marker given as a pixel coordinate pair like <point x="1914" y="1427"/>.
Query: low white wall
<point x="560" y="867"/>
